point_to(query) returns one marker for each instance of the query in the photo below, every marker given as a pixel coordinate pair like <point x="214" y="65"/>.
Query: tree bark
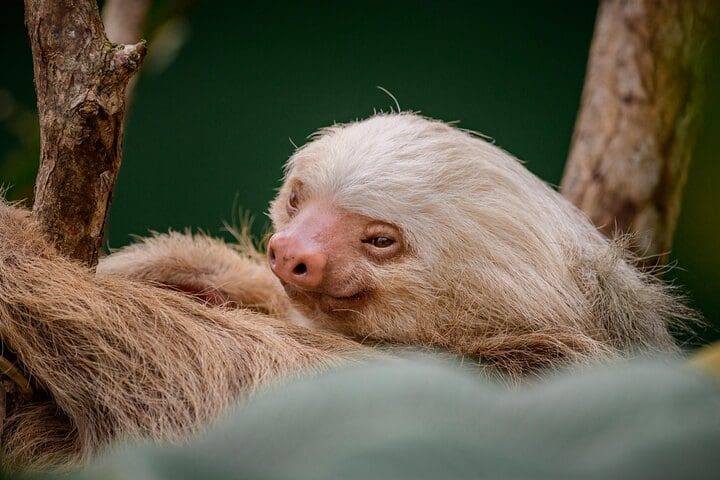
<point x="635" y="132"/>
<point x="80" y="78"/>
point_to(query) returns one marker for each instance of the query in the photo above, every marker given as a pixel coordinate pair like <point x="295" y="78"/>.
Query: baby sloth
<point x="405" y="231"/>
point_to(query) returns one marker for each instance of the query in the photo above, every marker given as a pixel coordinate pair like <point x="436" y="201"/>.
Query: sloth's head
<point x="401" y="224"/>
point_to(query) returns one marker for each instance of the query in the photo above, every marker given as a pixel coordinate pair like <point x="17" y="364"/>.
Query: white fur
<point x="495" y="249"/>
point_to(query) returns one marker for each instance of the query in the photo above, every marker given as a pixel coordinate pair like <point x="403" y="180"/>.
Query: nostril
<point x="300" y="269"/>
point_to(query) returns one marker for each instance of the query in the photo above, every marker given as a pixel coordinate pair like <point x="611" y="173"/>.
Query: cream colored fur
<point x="498" y="256"/>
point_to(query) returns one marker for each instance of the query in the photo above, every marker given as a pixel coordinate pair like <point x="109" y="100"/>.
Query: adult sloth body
<point x="397" y="230"/>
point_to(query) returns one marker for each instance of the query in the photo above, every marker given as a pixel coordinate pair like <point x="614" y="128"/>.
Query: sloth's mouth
<point x="293" y="290"/>
<point x="349" y="298"/>
<point x="336" y="305"/>
<point x="326" y="301"/>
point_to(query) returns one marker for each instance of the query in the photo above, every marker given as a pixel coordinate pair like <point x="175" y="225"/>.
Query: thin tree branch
<point x="124" y="21"/>
<point x="636" y="129"/>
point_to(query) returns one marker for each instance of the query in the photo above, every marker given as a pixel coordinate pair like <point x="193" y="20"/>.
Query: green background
<point x="211" y="127"/>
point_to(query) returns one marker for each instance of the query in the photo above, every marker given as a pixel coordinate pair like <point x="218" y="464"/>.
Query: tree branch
<point x="123" y="21"/>
<point x="80" y="78"/>
<point x="636" y="129"/>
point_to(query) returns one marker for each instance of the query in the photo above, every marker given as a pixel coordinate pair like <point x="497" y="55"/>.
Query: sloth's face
<point x="326" y="258"/>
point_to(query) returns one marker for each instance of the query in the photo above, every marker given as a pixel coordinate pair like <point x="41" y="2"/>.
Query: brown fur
<point x="216" y="272"/>
<point x="112" y="358"/>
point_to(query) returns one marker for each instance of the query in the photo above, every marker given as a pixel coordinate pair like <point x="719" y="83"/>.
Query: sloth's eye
<point x="381" y="242"/>
<point x="292" y="203"/>
<point x="384" y="241"/>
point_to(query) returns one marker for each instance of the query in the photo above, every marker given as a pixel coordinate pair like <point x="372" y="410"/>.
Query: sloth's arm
<point x="205" y="268"/>
<point x="114" y="358"/>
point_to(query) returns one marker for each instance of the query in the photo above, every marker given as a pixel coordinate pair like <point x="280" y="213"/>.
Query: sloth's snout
<point x="296" y="262"/>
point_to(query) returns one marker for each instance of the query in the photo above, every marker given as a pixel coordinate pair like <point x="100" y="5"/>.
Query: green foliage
<point x="418" y="420"/>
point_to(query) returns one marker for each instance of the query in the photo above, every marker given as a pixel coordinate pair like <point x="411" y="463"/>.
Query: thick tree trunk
<point x="80" y="78"/>
<point x="635" y="132"/>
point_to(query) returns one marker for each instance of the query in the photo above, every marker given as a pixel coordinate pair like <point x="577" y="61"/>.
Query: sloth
<point x="398" y="231"/>
<point x="405" y="231"/>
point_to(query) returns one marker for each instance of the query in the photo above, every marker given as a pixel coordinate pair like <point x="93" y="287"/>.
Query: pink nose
<point x="295" y="262"/>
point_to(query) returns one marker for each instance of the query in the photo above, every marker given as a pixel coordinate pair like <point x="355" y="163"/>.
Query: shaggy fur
<point x="499" y="267"/>
<point x="113" y="358"/>
<point x="213" y="271"/>
<point x="503" y="267"/>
